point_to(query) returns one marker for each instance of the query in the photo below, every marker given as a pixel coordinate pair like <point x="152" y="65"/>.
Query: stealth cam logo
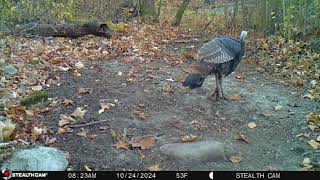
<point x="6" y="174"/>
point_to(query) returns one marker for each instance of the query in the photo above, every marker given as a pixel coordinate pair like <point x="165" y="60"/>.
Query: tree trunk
<point x="157" y="19"/>
<point x="235" y="13"/>
<point x="180" y="12"/>
<point x="147" y="9"/>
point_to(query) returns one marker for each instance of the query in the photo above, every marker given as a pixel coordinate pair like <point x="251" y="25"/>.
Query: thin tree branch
<point x="87" y="124"/>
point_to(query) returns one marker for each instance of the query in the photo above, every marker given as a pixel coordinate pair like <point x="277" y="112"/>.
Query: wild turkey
<point x="220" y="57"/>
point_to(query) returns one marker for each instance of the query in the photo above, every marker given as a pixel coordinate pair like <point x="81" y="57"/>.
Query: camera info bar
<point x="165" y="175"/>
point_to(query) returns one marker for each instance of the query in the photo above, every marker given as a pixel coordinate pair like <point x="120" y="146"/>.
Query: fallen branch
<point x="7" y="26"/>
<point x="64" y="30"/>
<point x="28" y="29"/>
<point x="87" y="124"/>
<point x="187" y="41"/>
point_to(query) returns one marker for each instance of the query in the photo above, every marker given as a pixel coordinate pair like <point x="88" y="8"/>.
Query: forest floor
<point x="139" y="94"/>
<point x="170" y="116"/>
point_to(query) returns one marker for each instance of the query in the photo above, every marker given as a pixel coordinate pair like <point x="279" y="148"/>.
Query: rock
<point x="10" y="70"/>
<point x="36" y="159"/>
<point x="201" y="151"/>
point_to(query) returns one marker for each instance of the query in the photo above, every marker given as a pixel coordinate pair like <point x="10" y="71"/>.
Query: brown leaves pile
<point x="290" y="61"/>
<point x="34" y="58"/>
<point x="314" y="123"/>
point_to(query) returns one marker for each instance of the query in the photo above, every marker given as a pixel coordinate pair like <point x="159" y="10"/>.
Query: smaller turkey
<point x="218" y="57"/>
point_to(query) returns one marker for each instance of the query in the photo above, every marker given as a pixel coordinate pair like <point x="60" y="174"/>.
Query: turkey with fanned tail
<point x="218" y="57"/>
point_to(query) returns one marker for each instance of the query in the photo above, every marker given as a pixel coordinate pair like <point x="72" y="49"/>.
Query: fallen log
<point x="64" y="30"/>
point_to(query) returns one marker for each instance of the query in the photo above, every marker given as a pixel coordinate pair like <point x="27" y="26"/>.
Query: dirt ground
<point x="273" y="144"/>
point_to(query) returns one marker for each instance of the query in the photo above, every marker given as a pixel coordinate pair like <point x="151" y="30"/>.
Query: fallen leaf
<point x="265" y="46"/>
<point x="190" y="54"/>
<point x="79" y="65"/>
<point x="142" y="115"/>
<point x="36" y="132"/>
<point x="241" y="77"/>
<point x="64" y="68"/>
<point x="87" y="168"/>
<point x="307" y="168"/>
<point x="168" y="88"/>
<point x="122" y="145"/>
<point x="267" y="114"/>
<point x="235" y="159"/>
<point x="82" y="134"/>
<point x="113" y="134"/>
<point x="194" y="122"/>
<point x="173" y="34"/>
<point x="190" y="138"/>
<point x="30" y="113"/>
<point x="76" y="73"/>
<point x="251" y="90"/>
<point x="85" y="90"/>
<point x="235" y="98"/>
<point x="103" y="127"/>
<point x="252" y="125"/>
<point x="241" y="137"/>
<point x="314" y="144"/>
<point x="145" y="142"/>
<point x="92" y="136"/>
<point x="67" y="102"/>
<point x="314" y="119"/>
<point x="8" y="131"/>
<point x="105" y="106"/>
<point x="36" y="88"/>
<point x="78" y="112"/>
<point x="154" y="168"/>
<point x="312" y="127"/>
<point x="306" y="162"/>
<point x="52" y="140"/>
<point x="65" y="120"/>
<point x="278" y="108"/>
<point x="62" y="131"/>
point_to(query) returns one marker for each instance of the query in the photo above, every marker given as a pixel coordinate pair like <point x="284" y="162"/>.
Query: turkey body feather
<point x="219" y="57"/>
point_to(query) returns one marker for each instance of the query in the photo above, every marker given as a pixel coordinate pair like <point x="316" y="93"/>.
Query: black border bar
<point x="167" y="175"/>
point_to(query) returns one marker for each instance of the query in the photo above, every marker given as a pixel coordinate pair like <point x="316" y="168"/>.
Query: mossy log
<point x="64" y="30"/>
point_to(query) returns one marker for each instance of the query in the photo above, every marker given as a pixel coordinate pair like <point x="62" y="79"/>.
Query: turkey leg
<point x="220" y="85"/>
<point x="216" y="91"/>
